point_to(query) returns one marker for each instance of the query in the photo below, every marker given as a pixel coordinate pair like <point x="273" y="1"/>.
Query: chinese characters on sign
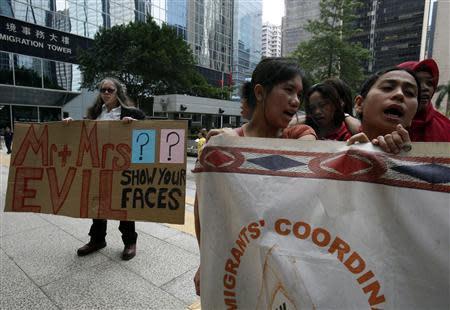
<point x="29" y="39"/>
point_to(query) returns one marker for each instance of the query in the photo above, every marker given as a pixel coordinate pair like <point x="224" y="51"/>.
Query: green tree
<point x="330" y="52"/>
<point x="443" y="90"/>
<point x="149" y="59"/>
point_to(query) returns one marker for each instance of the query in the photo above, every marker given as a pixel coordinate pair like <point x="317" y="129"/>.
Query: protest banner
<point x="289" y="224"/>
<point x="100" y="169"/>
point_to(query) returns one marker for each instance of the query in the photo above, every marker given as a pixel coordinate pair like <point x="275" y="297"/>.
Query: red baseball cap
<point x="430" y="64"/>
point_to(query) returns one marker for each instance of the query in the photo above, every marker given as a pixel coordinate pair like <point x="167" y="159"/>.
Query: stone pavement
<point x="39" y="268"/>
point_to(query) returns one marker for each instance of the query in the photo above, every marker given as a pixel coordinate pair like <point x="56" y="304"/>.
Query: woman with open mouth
<point x="386" y="105"/>
<point x="274" y="98"/>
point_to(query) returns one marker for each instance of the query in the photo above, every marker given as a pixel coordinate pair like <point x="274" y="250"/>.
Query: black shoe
<point x="90" y="248"/>
<point x="129" y="251"/>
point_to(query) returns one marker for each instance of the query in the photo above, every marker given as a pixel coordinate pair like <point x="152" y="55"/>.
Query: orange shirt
<point x="294" y="132"/>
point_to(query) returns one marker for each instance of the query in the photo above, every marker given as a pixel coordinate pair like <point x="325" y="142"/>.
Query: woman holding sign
<point x="274" y="98"/>
<point x="112" y="103"/>
<point x="388" y="101"/>
<point x="386" y="105"/>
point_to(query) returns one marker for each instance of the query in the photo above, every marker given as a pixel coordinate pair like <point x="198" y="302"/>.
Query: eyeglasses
<point x="107" y="90"/>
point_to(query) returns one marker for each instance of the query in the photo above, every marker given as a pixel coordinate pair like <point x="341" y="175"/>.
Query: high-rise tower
<point x="297" y="14"/>
<point x="271" y="40"/>
<point x="391" y="30"/>
<point x="246" y="40"/>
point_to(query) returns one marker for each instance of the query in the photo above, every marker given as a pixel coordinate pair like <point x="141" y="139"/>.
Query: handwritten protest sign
<point x="318" y="225"/>
<point x="99" y="169"/>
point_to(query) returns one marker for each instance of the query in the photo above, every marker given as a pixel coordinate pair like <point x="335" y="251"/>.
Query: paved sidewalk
<point x="39" y="268"/>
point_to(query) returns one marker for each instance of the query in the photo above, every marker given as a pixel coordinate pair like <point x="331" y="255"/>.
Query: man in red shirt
<point x="428" y="124"/>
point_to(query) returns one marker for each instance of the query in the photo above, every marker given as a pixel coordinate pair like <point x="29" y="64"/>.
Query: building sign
<point x="24" y="38"/>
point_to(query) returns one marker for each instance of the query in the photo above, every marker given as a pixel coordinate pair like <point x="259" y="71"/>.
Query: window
<point x="49" y="114"/>
<point x="6" y="69"/>
<point x="24" y="114"/>
<point x="28" y="71"/>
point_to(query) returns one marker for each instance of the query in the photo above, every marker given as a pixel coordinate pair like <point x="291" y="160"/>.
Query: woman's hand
<point x="197" y="281"/>
<point x="220" y="131"/>
<point x="393" y="142"/>
<point x="358" y="138"/>
<point x="127" y="120"/>
<point x="67" y="120"/>
<point x="307" y="138"/>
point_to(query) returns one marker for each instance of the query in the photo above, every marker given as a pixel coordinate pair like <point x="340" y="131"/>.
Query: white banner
<point x="319" y="225"/>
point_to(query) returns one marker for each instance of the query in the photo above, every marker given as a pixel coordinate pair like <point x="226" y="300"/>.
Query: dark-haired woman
<point x="324" y="113"/>
<point x="274" y="98"/>
<point x="386" y="105"/>
<point x="345" y="95"/>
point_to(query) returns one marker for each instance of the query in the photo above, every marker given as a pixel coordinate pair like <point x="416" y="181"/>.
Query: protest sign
<point x="289" y="224"/>
<point x="100" y="169"/>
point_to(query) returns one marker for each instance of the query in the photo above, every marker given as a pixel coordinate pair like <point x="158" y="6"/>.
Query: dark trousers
<point x="98" y="231"/>
<point x="8" y="147"/>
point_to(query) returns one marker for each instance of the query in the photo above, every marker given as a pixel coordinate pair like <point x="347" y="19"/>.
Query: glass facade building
<point x="39" y="85"/>
<point x="246" y="40"/>
<point x="35" y="89"/>
<point x="391" y="30"/>
<point x="298" y="13"/>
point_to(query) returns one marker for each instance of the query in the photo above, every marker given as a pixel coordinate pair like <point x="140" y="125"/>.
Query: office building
<point x="209" y="25"/>
<point x="36" y="86"/>
<point x="436" y="45"/>
<point x="438" y="40"/>
<point x="297" y="14"/>
<point x="391" y="30"/>
<point x="271" y="40"/>
<point x="246" y="40"/>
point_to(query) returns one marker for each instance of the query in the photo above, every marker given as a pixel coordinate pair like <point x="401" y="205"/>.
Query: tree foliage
<point x="149" y="59"/>
<point x="330" y="52"/>
<point x="443" y="90"/>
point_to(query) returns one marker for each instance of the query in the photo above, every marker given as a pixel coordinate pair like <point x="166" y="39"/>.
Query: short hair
<point x="370" y="82"/>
